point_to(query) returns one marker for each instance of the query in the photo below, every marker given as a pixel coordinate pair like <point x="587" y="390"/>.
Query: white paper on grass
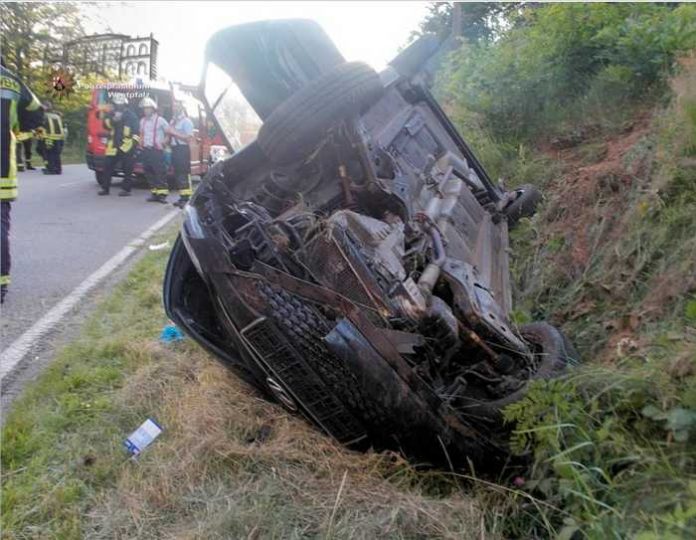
<point x="141" y="438"/>
<point x="157" y="247"/>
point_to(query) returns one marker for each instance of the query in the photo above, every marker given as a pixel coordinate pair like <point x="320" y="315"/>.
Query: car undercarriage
<point x="352" y="262"/>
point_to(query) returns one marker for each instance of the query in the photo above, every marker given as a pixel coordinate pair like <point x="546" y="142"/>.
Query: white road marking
<point x="70" y="183"/>
<point x="15" y="353"/>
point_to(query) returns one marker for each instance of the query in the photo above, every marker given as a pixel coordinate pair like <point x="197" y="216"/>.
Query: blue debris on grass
<point x="171" y="333"/>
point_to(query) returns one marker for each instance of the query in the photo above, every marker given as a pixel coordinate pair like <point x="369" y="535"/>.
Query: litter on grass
<point x="141" y="438"/>
<point x="157" y="247"/>
<point x="171" y="333"/>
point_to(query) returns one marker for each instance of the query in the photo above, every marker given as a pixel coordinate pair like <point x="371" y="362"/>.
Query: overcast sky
<point x="368" y="31"/>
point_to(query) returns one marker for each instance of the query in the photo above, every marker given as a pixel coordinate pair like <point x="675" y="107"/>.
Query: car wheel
<point x="553" y="353"/>
<point x="524" y="204"/>
<point x="300" y="122"/>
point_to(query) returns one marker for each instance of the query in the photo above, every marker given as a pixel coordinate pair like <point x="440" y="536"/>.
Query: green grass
<point x="62" y="439"/>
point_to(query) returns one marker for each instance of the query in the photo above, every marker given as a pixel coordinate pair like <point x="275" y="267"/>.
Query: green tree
<point x="476" y="21"/>
<point x="560" y="59"/>
<point x="30" y="29"/>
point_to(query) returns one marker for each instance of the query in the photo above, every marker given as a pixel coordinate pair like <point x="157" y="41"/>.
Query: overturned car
<point x="352" y="261"/>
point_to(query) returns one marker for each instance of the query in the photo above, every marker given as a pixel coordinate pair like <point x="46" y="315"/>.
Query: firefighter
<point x="54" y="136"/>
<point x="15" y="98"/>
<point x="153" y="137"/>
<point x="181" y="133"/>
<point x="26" y="140"/>
<point x="122" y="125"/>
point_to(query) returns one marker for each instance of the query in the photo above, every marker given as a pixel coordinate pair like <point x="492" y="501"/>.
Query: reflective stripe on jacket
<point x="122" y="134"/>
<point x="20" y="112"/>
<point x="54" y="127"/>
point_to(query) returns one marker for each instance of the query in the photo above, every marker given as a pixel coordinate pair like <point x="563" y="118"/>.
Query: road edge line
<point x="11" y="357"/>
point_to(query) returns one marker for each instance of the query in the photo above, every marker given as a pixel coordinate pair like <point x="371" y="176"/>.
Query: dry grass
<point x="230" y="465"/>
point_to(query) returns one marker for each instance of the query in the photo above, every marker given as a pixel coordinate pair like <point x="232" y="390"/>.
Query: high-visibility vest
<point x="15" y="97"/>
<point x="126" y="132"/>
<point x="54" y="127"/>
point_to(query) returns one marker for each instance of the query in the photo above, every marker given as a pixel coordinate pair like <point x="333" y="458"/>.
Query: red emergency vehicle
<point x="206" y="134"/>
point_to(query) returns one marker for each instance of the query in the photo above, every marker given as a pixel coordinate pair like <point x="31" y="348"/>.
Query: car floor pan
<point x="270" y="60"/>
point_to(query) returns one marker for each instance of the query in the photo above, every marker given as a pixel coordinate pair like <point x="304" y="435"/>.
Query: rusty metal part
<point x="414" y="414"/>
<point x="357" y="315"/>
<point x="346" y="187"/>
<point x="431" y="274"/>
<point x="474" y="338"/>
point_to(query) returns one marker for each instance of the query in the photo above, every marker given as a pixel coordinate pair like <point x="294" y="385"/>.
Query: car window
<point x="236" y="117"/>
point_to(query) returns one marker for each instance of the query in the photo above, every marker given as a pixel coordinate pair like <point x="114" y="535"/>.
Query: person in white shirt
<point x="153" y="138"/>
<point x="181" y="133"/>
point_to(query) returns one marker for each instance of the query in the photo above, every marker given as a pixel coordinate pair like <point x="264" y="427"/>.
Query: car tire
<point x="555" y="354"/>
<point x="524" y="205"/>
<point x="300" y="122"/>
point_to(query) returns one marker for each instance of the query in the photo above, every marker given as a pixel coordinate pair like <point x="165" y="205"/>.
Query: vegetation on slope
<point x="596" y="104"/>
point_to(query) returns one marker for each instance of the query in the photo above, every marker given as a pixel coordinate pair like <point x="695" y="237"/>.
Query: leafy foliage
<point x="596" y="104"/>
<point x="29" y="29"/>
<point x="478" y="21"/>
<point x="586" y="57"/>
<point x="606" y="465"/>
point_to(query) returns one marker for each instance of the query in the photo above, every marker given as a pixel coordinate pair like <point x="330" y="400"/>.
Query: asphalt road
<point x="61" y="233"/>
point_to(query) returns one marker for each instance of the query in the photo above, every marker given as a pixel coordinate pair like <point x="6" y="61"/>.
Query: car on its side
<point x="352" y="261"/>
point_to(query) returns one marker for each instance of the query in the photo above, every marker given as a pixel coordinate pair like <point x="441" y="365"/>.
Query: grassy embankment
<point x="228" y="464"/>
<point x="589" y="103"/>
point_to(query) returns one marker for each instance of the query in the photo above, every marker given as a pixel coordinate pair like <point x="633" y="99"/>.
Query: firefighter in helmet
<point x="153" y="138"/>
<point x="122" y="125"/>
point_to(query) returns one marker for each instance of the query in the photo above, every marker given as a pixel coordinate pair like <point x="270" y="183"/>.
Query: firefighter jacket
<point x="53" y="128"/>
<point x="123" y="133"/>
<point x="20" y="112"/>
